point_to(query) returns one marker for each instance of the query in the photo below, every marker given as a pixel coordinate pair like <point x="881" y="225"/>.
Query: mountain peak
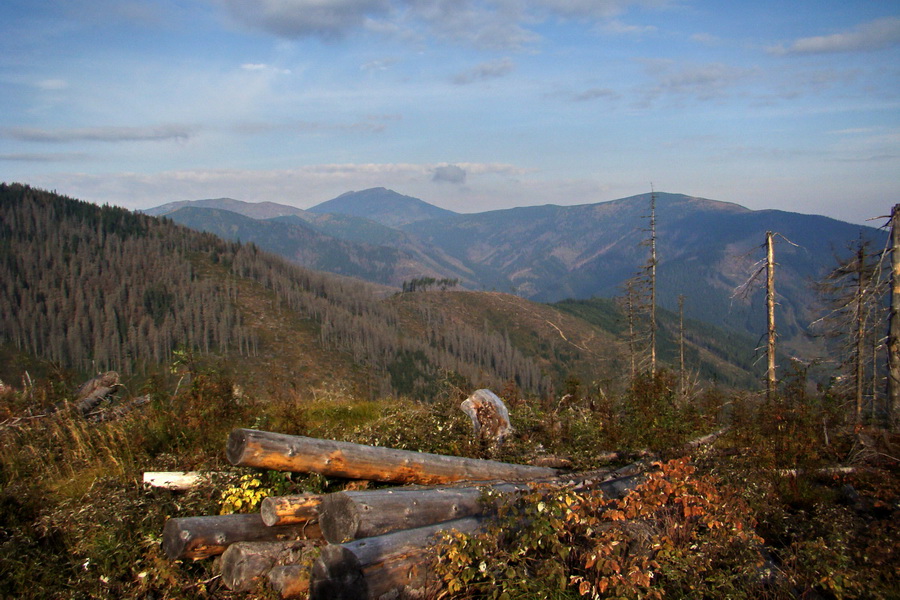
<point x="383" y="206"/>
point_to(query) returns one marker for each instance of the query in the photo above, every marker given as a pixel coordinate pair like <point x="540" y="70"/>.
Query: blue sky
<point x="471" y="105"/>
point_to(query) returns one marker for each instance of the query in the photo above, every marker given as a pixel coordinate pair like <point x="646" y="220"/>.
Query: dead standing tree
<point x="854" y="290"/>
<point x="894" y="327"/>
<point x="639" y="303"/>
<point x="771" y="300"/>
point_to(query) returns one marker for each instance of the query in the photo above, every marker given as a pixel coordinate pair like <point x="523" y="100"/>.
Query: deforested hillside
<point x="98" y="288"/>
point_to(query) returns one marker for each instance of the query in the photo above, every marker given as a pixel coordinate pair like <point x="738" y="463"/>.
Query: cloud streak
<point x="99" y="134"/>
<point x="874" y="35"/>
<point x="485" y="71"/>
<point x="485" y="24"/>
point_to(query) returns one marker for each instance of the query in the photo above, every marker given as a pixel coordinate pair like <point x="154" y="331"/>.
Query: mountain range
<point x="707" y="249"/>
<point x="101" y="288"/>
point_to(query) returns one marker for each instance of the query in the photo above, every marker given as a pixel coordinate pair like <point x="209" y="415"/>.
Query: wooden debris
<point x="202" y="537"/>
<point x="288" y="510"/>
<point x="345" y="516"/>
<point x="118" y="411"/>
<point x="176" y="481"/>
<point x="244" y="564"/>
<point x="371" y="568"/>
<point x="251" y="448"/>
<point x="93" y="392"/>
<point x="490" y="418"/>
<point x="290" y="581"/>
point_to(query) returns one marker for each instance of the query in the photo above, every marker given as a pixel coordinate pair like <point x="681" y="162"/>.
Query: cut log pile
<point x="355" y="544"/>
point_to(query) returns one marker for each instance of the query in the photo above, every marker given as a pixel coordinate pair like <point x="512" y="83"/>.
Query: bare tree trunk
<point x="770" y="305"/>
<point x="681" y="375"/>
<point x="859" y="367"/>
<point x="894" y="327"/>
<point x="653" y="284"/>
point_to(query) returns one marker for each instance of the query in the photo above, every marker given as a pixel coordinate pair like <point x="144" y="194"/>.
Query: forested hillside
<point x="97" y="288"/>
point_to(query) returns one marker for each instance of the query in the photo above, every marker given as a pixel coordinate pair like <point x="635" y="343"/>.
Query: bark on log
<point x="202" y="537"/>
<point x="244" y="564"/>
<point x="288" y="510"/>
<point x="290" y="581"/>
<point x="345" y="516"/>
<point x="250" y="448"/>
<point x="387" y="565"/>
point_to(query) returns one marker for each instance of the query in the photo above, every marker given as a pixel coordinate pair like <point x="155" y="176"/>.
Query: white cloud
<point x="264" y="68"/>
<point x="595" y="94"/>
<point x="485" y="71"/>
<point x="300" y="18"/>
<point x="44" y="158"/>
<point x="486" y="24"/>
<point x="616" y="27"/>
<point x="705" y="81"/>
<point x="52" y="85"/>
<point x="99" y="134"/>
<point x="598" y="9"/>
<point x="874" y="35"/>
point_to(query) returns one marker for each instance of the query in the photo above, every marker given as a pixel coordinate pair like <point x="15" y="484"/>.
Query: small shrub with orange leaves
<point x="678" y="534"/>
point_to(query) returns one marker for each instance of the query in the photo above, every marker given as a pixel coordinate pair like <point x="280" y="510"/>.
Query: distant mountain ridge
<point x="254" y="210"/>
<point x="706" y="250"/>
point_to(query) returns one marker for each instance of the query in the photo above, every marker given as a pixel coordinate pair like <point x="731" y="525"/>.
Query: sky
<point x="471" y="105"/>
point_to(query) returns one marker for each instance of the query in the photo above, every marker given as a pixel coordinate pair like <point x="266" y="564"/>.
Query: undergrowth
<point x="753" y="516"/>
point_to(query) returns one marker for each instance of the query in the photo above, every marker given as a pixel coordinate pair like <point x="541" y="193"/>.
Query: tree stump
<point x="490" y="419"/>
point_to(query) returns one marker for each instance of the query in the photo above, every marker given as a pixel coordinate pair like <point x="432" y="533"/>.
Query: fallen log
<point x="244" y="564"/>
<point x="288" y="510"/>
<point x="345" y="516"/>
<point x="251" y="448"/>
<point x="202" y="537"/>
<point x="395" y="563"/>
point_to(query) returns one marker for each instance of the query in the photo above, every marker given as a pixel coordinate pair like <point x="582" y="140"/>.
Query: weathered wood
<point x="251" y="448"/>
<point x="287" y="510"/>
<point x="117" y="412"/>
<point x="490" y="418"/>
<point x="893" y="342"/>
<point x="92" y="392"/>
<point x="244" y="564"/>
<point x="202" y="537"/>
<point x="290" y="581"/>
<point x="177" y="481"/>
<point x="345" y="516"/>
<point x="771" y="381"/>
<point x="371" y="568"/>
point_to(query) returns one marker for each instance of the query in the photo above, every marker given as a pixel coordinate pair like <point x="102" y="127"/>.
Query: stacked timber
<point x="355" y="544"/>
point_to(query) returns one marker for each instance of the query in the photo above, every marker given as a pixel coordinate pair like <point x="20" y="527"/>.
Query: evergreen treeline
<point x="102" y="288"/>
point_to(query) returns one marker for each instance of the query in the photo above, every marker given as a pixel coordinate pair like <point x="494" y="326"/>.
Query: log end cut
<point x="338" y="518"/>
<point x="337" y="575"/>
<point x="236" y="445"/>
